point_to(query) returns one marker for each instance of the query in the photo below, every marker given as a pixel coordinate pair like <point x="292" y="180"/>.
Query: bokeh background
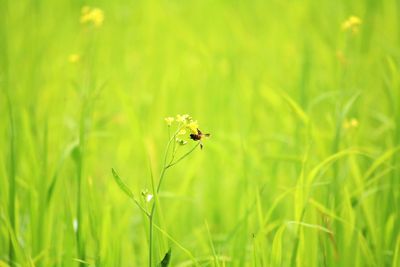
<point x="302" y="168"/>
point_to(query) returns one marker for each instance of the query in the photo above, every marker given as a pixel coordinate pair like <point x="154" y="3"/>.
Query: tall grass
<point x="302" y="168"/>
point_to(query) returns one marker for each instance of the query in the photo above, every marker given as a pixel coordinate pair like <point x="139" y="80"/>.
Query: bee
<point x="198" y="137"/>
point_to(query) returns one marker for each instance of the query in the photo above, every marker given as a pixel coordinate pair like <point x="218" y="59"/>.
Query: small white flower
<point x="146" y="195"/>
<point x="149" y="197"/>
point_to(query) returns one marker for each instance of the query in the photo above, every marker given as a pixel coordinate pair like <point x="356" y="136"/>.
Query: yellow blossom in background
<point x="74" y="58"/>
<point x="352" y="23"/>
<point x="349" y="124"/>
<point x="169" y="120"/>
<point x="92" y="15"/>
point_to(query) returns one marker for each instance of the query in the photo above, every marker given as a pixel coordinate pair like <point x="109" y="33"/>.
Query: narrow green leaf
<point x="188" y="253"/>
<point x="66" y="153"/>
<point x="383" y="159"/>
<point x="276" y="250"/>
<point x="165" y="261"/>
<point x="317" y="169"/>
<point x="325" y="210"/>
<point x="296" y="108"/>
<point x="312" y="226"/>
<point x="396" y="256"/>
<point x="121" y="184"/>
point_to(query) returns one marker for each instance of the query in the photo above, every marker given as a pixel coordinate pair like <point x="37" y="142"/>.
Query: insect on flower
<point x="199" y="136"/>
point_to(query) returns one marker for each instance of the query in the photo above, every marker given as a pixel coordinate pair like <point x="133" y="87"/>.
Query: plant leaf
<point x="296" y="108"/>
<point x="165" y="261"/>
<point x="121" y="184"/>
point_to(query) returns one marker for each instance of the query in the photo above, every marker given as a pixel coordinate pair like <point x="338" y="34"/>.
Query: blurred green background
<point x="302" y="168"/>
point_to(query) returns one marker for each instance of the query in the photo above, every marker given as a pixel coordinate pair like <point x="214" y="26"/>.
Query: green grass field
<point x="301" y="98"/>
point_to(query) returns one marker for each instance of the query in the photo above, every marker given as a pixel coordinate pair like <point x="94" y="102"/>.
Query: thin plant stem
<point x="150" y="239"/>
<point x="79" y="172"/>
<point x="153" y="207"/>
<point x="150" y="216"/>
<point x="155" y="192"/>
<point x="141" y="207"/>
<point x="177" y="244"/>
<point x="12" y="173"/>
<point x="184" y="156"/>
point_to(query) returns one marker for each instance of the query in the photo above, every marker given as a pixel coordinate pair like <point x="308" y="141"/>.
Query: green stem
<point x="12" y="173"/>
<point x="80" y="167"/>
<point x="150" y="240"/>
<point x="151" y="216"/>
<point x="162" y="175"/>
<point x="184" y="156"/>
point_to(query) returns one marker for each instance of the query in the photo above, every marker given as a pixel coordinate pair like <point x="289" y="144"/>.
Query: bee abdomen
<point x="195" y="137"/>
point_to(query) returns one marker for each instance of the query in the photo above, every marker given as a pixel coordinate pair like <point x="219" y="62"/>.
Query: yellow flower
<point x="186" y="129"/>
<point x="352" y="123"/>
<point x="352" y="23"/>
<point x="92" y="15"/>
<point x="74" y="58"/>
<point x="182" y="132"/>
<point x="97" y="16"/>
<point x="183" y="118"/>
<point x="193" y="126"/>
<point x="169" y="120"/>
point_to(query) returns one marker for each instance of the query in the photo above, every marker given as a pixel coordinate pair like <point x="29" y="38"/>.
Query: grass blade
<point x="166" y="260"/>
<point x="122" y="185"/>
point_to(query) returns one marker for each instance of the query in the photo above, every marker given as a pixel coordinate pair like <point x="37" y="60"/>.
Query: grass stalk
<point x="158" y="187"/>
<point x="12" y="176"/>
<point x="79" y="174"/>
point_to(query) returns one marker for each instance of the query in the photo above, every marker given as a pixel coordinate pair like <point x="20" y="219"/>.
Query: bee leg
<point x="201" y="145"/>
